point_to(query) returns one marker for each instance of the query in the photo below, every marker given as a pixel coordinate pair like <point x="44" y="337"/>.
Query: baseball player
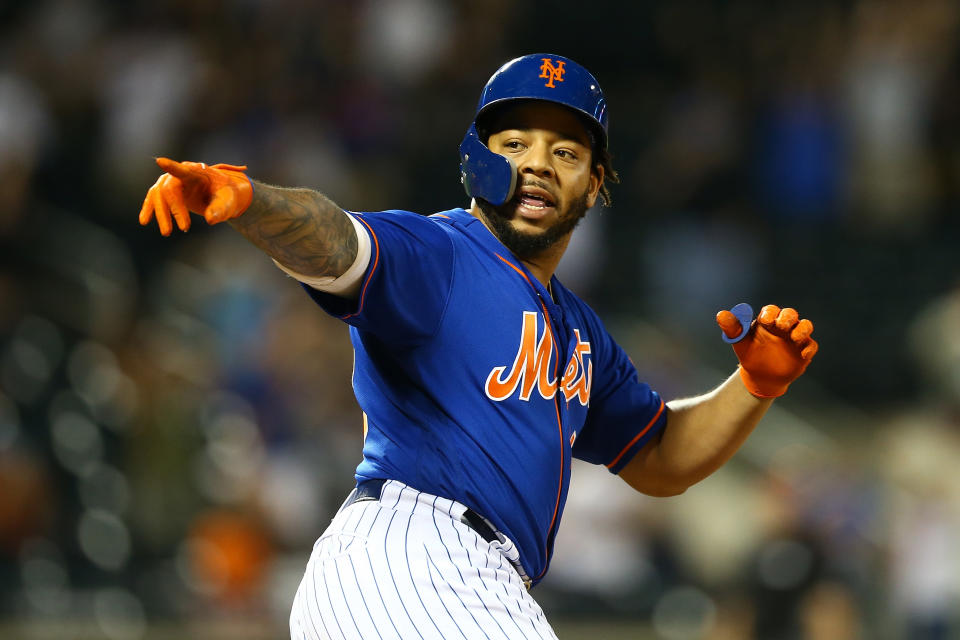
<point x="479" y="374"/>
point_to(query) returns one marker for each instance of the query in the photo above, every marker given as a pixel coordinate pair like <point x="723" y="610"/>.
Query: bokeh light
<point x="104" y="539"/>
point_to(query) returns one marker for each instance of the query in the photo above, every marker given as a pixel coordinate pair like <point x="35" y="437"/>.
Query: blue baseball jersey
<point x="479" y="386"/>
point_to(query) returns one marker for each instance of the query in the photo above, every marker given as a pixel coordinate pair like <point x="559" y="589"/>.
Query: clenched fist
<point x="219" y="192"/>
<point x="775" y="350"/>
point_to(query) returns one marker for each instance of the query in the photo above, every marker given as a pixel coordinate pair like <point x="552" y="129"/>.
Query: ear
<point x="597" y="175"/>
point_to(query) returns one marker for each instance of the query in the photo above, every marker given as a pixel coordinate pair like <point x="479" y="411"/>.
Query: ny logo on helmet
<point x="552" y="71"/>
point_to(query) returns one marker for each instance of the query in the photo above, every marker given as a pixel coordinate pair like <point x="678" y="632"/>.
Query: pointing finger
<point x="787" y="318"/>
<point x="729" y="324"/>
<point x="182" y="170"/>
<point x="170" y="166"/>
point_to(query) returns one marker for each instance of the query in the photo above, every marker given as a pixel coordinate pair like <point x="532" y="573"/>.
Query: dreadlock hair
<point x="603" y="158"/>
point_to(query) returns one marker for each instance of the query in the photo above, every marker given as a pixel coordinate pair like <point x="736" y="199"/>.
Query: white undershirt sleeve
<point x="349" y="281"/>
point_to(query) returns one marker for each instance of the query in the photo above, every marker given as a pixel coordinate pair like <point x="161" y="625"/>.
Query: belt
<point x="370" y="490"/>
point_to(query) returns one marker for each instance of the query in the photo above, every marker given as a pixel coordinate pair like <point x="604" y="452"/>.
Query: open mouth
<point x="535" y="201"/>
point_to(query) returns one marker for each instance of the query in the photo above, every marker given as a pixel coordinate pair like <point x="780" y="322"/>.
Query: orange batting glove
<point x="775" y="350"/>
<point x="219" y="192"/>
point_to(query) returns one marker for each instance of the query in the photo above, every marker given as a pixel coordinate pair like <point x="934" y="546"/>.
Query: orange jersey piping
<point x="376" y="260"/>
<point x="556" y="406"/>
<point x="637" y="437"/>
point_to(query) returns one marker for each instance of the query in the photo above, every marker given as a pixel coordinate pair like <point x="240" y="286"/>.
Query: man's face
<point x="557" y="181"/>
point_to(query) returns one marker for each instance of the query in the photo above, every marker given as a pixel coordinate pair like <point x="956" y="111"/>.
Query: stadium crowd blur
<point x="176" y="418"/>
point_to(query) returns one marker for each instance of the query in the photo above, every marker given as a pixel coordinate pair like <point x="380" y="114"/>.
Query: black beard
<point x="530" y="245"/>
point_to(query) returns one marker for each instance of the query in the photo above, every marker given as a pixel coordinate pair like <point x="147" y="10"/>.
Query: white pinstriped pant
<point x="406" y="568"/>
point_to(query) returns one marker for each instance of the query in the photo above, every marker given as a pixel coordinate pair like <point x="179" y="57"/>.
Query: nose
<point x="536" y="161"/>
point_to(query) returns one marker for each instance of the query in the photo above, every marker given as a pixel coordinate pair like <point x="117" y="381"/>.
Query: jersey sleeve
<point x="624" y="413"/>
<point x="406" y="287"/>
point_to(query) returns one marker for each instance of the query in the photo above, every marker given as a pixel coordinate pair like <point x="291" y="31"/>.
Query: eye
<point x="513" y="144"/>
<point x="566" y="154"/>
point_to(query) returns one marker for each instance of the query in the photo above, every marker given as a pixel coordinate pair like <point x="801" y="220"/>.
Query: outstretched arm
<point x="301" y="229"/>
<point x="703" y="432"/>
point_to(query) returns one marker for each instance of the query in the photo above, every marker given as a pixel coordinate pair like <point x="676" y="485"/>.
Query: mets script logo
<point x="552" y="71"/>
<point x="531" y="368"/>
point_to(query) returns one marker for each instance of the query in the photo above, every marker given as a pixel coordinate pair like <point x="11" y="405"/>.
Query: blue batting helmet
<point x="539" y="76"/>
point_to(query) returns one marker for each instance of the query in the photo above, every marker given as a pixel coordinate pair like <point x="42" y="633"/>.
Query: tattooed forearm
<point x="301" y="229"/>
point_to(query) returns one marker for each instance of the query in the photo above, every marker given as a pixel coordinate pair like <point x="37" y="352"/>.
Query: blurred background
<point x="176" y="419"/>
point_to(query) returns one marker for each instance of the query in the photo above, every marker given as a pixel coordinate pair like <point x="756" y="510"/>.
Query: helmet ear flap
<point x="485" y="174"/>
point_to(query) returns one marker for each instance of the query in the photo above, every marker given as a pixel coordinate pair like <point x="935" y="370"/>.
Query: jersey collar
<point x="475" y="228"/>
